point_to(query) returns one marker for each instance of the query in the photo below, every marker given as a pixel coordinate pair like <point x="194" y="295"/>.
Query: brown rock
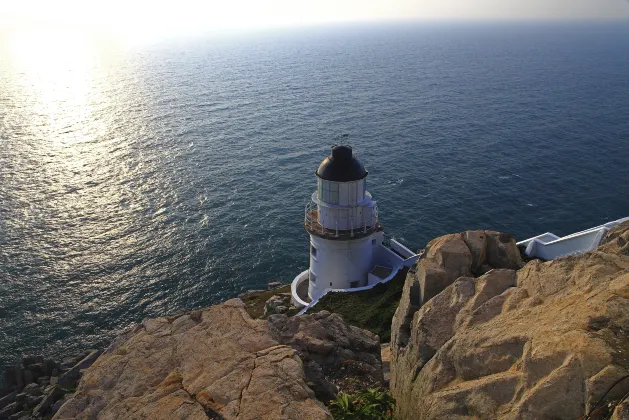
<point x="446" y="259"/>
<point x="621" y="412"/>
<point x="618" y="235"/>
<point x="476" y="241"/>
<point x="221" y="363"/>
<point x="502" y="251"/>
<point x="545" y="342"/>
<point x="451" y="253"/>
<point x="70" y="378"/>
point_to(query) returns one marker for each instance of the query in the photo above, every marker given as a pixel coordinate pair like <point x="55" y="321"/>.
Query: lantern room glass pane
<point x="329" y="192"/>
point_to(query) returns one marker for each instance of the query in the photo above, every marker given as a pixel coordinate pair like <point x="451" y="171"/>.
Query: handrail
<point x="313" y="226"/>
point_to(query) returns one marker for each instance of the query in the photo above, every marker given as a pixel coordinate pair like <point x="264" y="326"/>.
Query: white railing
<point x="294" y="289"/>
<point x="549" y="246"/>
<point x="364" y="227"/>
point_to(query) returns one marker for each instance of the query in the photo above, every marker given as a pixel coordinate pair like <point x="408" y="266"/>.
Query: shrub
<point x="367" y="404"/>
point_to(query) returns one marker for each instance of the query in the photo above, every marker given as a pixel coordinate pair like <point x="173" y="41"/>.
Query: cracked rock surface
<point x="543" y="342"/>
<point x="212" y="363"/>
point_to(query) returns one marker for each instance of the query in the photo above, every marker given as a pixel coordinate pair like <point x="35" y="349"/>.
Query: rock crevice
<point x="543" y="342"/>
<point x="221" y="363"/>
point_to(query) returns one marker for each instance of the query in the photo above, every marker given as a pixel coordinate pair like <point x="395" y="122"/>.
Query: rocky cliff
<point x="476" y="335"/>
<point x="221" y="363"/>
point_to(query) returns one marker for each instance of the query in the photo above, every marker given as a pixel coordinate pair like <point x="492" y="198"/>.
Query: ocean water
<point x="140" y="182"/>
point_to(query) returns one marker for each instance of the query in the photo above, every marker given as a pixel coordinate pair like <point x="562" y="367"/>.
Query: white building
<point x="348" y="248"/>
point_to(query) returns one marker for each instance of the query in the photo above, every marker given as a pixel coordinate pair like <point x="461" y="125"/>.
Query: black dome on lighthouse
<point x="341" y="166"/>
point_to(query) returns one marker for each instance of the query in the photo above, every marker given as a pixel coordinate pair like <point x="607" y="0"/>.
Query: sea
<point x="143" y="181"/>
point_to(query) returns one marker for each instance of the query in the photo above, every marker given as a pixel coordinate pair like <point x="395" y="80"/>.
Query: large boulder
<point x="219" y="363"/>
<point x="545" y="342"/>
<point x="444" y="260"/>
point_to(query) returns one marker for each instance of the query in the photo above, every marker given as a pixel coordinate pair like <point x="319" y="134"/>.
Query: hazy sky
<point x="144" y="17"/>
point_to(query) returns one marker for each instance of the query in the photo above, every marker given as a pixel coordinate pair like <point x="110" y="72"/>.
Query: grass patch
<point x="367" y="404"/>
<point x="371" y="309"/>
<point x="254" y="302"/>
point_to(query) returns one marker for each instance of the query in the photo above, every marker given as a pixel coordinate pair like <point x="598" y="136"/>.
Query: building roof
<point x="341" y="166"/>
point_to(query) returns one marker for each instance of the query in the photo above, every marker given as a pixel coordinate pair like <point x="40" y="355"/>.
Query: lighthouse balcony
<point x="357" y="230"/>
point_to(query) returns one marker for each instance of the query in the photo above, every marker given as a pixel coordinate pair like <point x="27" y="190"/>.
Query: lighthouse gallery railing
<point x="362" y="228"/>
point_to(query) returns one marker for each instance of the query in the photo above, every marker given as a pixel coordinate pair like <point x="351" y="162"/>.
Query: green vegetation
<point x="367" y="404"/>
<point x="371" y="309"/>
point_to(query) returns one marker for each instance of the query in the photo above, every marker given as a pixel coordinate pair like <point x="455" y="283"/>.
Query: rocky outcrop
<point x="336" y="355"/>
<point x="277" y="304"/>
<point x="444" y="260"/>
<point x="221" y="363"/>
<point x="543" y="342"/>
<point x="30" y="387"/>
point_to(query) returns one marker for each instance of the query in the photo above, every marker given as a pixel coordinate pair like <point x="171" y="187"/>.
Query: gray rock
<point x="28" y="359"/>
<point x="19" y="376"/>
<point x="29" y="378"/>
<point x="70" y="378"/>
<point x="53" y="395"/>
<point x="54" y="380"/>
<point x="49" y="366"/>
<point x="9" y="410"/>
<point x="32" y="390"/>
<point x="69" y="362"/>
<point x="275" y="302"/>
<point x="331" y="349"/>
<point x="9" y="376"/>
<point x="274" y="284"/>
<point x="7" y="399"/>
<point x="38" y="369"/>
<point x="33" y="401"/>
<point x="57" y="405"/>
<point x="21" y="415"/>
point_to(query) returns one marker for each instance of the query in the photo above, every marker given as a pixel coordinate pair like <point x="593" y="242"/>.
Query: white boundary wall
<point x="408" y="262"/>
<point x="549" y="246"/>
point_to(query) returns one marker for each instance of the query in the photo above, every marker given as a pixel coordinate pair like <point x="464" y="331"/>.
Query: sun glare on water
<point x="54" y="53"/>
<point x="57" y="79"/>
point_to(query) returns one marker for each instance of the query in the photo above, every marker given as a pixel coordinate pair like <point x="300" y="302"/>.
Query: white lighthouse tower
<point x="342" y="220"/>
<point x="348" y="249"/>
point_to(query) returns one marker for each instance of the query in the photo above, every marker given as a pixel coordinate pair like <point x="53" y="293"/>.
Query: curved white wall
<point x="339" y="263"/>
<point x="347" y="218"/>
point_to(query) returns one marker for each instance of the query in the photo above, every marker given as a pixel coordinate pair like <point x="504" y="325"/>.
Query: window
<point x="313" y="278"/>
<point x="330" y="284"/>
<point x="373" y="242"/>
<point x="313" y="251"/>
<point x="329" y="192"/>
<point x="352" y="187"/>
<point x="334" y="193"/>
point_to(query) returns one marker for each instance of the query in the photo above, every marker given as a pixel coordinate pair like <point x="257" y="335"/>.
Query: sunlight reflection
<point x="57" y="68"/>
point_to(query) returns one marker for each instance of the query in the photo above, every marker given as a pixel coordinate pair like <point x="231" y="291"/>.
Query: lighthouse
<point x="348" y="248"/>
<point x="342" y="221"/>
